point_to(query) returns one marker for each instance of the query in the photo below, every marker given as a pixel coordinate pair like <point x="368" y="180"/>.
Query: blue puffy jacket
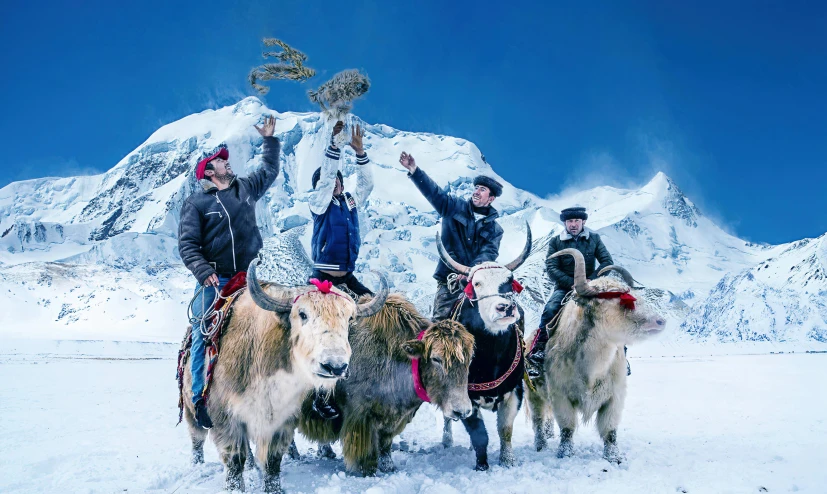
<point x="336" y="238"/>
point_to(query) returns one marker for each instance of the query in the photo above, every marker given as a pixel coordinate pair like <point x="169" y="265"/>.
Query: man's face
<point x="222" y="171"/>
<point x="482" y="196"/>
<point x="337" y="190"/>
<point x="575" y="226"/>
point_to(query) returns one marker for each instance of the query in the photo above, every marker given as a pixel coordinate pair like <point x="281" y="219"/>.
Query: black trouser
<point x="552" y="308"/>
<point x="443" y="302"/>
<point x="348" y="280"/>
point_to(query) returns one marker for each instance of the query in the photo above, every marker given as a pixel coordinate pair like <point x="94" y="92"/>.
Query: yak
<point x="400" y="360"/>
<point x="488" y="310"/>
<point x="278" y="344"/>
<point x="585" y="367"/>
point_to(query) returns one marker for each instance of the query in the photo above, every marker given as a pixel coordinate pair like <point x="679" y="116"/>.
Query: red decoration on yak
<point x="469" y="291"/>
<point x="323" y="286"/>
<point x="627" y="300"/>
<point x="516" y="286"/>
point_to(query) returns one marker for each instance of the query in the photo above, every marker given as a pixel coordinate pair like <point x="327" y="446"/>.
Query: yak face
<point x="444" y="354"/>
<point x="494" y="295"/>
<point x="319" y="325"/>
<point x="622" y="325"/>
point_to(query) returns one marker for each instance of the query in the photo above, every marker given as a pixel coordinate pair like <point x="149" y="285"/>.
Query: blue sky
<point x="728" y="98"/>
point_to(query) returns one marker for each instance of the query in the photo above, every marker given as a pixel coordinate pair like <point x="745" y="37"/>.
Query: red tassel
<point x="323" y="286"/>
<point x="516" y="286"/>
<point x="469" y="291"/>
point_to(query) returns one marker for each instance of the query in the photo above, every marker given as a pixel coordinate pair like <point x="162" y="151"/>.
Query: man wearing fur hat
<point x="561" y="271"/>
<point x="470" y="232"/>
<point x="336" y="240"/>
<point x="218" y="236"/>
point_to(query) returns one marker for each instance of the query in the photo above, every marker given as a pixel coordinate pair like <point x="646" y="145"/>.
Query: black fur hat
<point x="495" y="187"/>
<point x="573" y="214"/>
<point x="318" y="174"/>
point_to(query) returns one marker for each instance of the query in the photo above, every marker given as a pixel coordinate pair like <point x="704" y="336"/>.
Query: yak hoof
<point x="386" y="464"/>
<point x="447" y="441"/>
<point x="481" y="466"/>
<point x="272" y="484"/>
<point x="565" y="450"/>
<point x="326" y="451"/>
<point x="613" y="455"/>
<point x="540" y="443"/>
<point x="508" y="459"/>
<point x="197" y="456"/>
<point x="293" y="452"/>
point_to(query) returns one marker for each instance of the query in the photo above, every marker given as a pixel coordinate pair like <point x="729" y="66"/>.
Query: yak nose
<point x="660" y="321"/>
<point x="504" y="307"/>
<point x="335" y="368"/>
<point x="460" y="414"/>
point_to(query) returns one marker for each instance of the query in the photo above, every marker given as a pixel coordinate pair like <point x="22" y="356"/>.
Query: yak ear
<point x="414" y="348"/>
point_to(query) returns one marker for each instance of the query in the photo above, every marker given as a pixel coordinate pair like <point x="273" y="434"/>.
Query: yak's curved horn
<point x="446" y="258"/>
<point x="375" y="305"/>
<point x="262" y="299"/>
<point x="626" y="275"/>
<point x="516" y="263"/>
<point x="581" y="284"/>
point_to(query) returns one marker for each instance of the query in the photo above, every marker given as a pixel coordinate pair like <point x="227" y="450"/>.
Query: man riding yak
<point x="218" y="237"/>
<point x="561" y="271"/>
<point x="336" y="238"/>
<point x="470" y="232"/>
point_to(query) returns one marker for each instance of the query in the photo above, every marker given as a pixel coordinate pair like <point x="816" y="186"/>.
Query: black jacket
<point x="218" y="231"/>
<point x="561" y="269"/>
<point x="467" y="240"/>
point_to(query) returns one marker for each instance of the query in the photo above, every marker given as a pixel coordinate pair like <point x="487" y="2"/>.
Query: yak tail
<point x="316" y="428"/>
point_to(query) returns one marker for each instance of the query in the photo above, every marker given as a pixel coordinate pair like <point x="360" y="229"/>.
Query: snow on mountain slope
<point x="783" y="299"/>
<point x="115" y="232"/>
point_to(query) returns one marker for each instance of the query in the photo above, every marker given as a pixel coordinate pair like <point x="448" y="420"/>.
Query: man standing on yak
<point x="218" y="237"/>
<point x="470" y="231"/>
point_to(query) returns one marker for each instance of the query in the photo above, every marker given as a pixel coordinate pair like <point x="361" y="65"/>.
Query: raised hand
<point x="338" y="127"/>
<point x="356" y="140"/>
<point x="408" y="162"/>
<point x="268" y="128"/>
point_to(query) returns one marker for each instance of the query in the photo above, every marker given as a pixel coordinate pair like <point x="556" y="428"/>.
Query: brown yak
<point x="379" y="398"/>
<point x="279" y="344"/>
<point x="585" y="367"/>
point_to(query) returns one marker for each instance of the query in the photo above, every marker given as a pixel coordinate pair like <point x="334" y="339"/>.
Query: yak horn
<point x="446" y="258"/>
<point x="375" y="305"/>
<point x="516" y="263"/>
<point x="581" y="284"/>
<point x="627" y="276"/>
<point x="262" y="299"/>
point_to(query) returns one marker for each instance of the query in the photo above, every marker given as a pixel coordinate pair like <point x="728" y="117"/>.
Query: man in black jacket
<point x="470" y="232"/>
<point x="561" y="271"/>
<point x="218" y="237"/>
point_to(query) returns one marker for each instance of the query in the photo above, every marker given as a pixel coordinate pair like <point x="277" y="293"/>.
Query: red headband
<point x="627" y="300"/>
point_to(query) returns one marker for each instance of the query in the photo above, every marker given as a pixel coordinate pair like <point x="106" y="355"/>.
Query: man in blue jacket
<point x="336" y="239"/>
<point x="218" y="237"/>
<point x="470" y="232"/>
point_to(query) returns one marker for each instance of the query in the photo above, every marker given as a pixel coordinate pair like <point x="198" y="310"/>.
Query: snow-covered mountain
<point x="96" y="256"/>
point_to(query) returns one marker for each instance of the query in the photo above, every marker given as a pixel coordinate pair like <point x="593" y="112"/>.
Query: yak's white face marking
<point x="319" y="328"/>
<point x="495" y="296"/>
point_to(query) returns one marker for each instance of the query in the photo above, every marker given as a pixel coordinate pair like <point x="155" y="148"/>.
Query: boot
<point x="323" y="409"/>
<point x="202" y="418"/>
<point x="535" y="358"/>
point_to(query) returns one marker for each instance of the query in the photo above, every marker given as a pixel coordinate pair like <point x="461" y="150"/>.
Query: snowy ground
<point x="749" y="423"/>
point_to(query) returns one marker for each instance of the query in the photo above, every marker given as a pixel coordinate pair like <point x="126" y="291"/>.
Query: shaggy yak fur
<point x="496" y="322"/>
<point x="585" y="366"/>
<point x="378" y="398"/>
<point x="278" y="344"/>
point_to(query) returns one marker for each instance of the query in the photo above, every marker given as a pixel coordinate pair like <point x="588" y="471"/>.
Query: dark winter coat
<point x="218" y="231"/>
<point x="561" y="269"/>
<point x="467" y="240"/>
